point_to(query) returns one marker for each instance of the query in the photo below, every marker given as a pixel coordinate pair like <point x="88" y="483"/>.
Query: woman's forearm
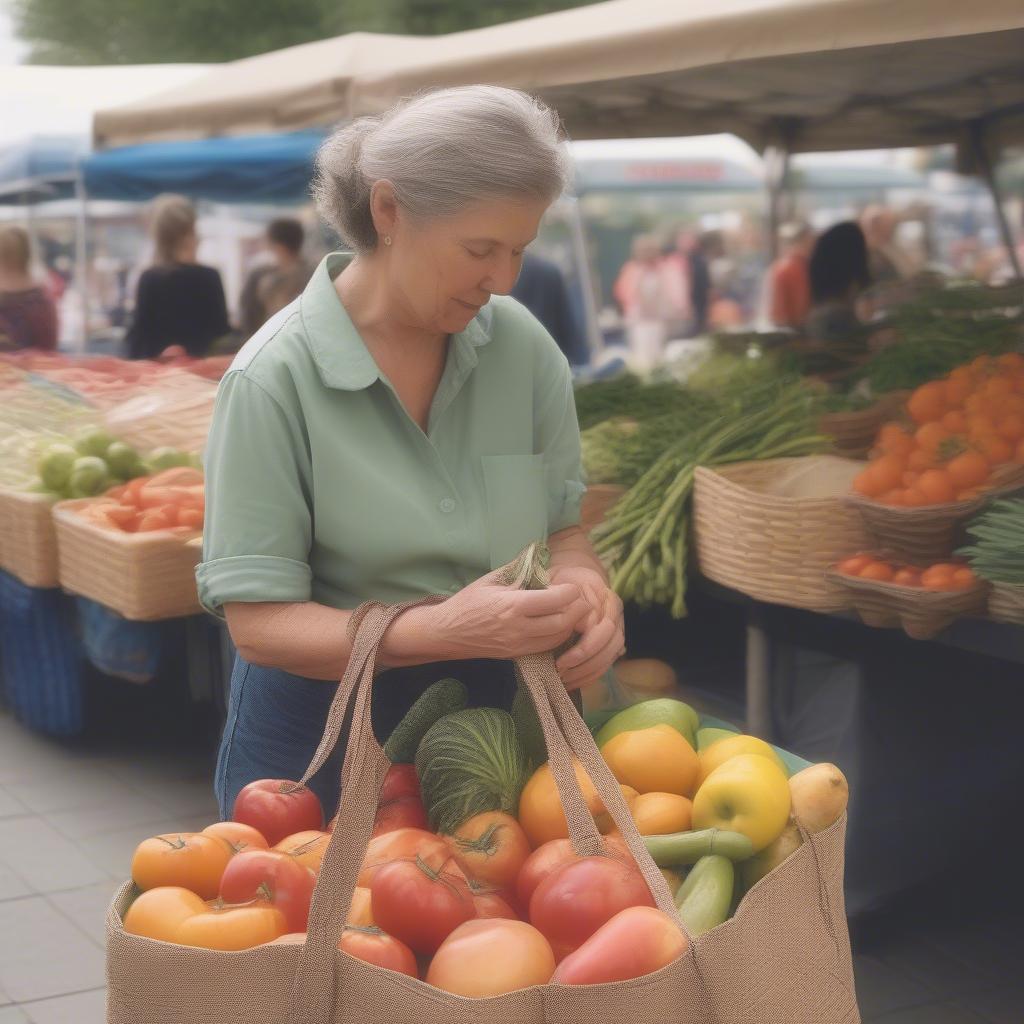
<point x="311" y="640"/>
<point x="571" y="549"/>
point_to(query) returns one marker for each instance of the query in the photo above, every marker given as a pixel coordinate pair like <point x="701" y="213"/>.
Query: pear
<point x="819" y="796"/>
<point x="755" y="868"/>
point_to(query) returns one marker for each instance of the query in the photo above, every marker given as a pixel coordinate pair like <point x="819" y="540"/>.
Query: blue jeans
<point x="275" y="720"/>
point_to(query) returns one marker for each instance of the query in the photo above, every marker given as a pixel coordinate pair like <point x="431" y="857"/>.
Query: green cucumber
<point x="688" y="847"/>
<point x="436" y="701"/>
<point x="704" y="900"/>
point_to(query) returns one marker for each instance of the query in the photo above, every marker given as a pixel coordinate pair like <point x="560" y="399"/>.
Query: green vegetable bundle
<point x="997" y="554"/>
<point x="644" y="537"/>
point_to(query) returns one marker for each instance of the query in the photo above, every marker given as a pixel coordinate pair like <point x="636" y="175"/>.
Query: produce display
<point x="470" y="881"/>
<point x="942" y="576"/>
<point x="997" y="551"/>
<point x="957" y="436"/>
<point x="173" y="498"/>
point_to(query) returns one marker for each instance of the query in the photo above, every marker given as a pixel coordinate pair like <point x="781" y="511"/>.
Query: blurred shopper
<point x="28" y="316"/>
<point x="178" y="300"/>
<point x="789" y="277"/>
<point x="839" y="274"/>
<point x="887" y="262"/>
<point x="542" y="289"/>
<point x="650" y="296"/>
<point x="273" y="285"/>
<point x="703" y="250"/>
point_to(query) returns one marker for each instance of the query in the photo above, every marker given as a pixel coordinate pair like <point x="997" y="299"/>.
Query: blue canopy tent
<point x="40" y="168"/>
<point x="243" y="169"/>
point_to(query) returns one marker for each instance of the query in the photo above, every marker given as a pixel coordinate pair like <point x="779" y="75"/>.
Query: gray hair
<point x="441" y="151"/>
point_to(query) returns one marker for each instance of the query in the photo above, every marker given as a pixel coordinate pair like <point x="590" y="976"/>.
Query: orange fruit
<point x="661" y="814"/>
<point x="928" y="402"/>
<point x="880" y="571"/>
<point x="654" y="760"/>
<point x="540" y="807"/>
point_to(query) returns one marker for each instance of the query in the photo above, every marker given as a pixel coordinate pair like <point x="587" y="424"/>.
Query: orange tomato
<point x="936" y="486"/>
<point x="852" y="566"/>
<point x="980" y="424"/>
<point x="921" y="459"/>
<point x="491" y="848"/>
<point x="881" y="571"/>
<point x="894" y="440"/>
<point x="361" y="911"/>
<point x="238" y="836"/>
<point x="964" y="578"/>
<point x="893" y="497"/>
<point x="188" y="859"/>
<point x="1012" y="361"/>
<point x="308" y="848"/>
<point x="980" y="364"/>
<point x="996" y="387"/>
<point x="661" y="814"/>
<point x="996" y="449"/>
<point x="967" y="470"/>
<point x="930" y="435"/>
<point x="372" y="946"/>
<point x="958" y="390"/>
<point x="864" y="482"/>
<point x="955" y="422"/>
<point x="155" y="519"/>
<point x="1019" y="456"/>
<point x="928" y="402"/>
<point x="888" y="472"/>
<point x="232" y="927"/>
<point x="1011" y="427"/>
<point x="907" y="577"/>
<point x="914" y="497"/>
<point x="540" y="807"/>
<point x="190" y="517"/>
<point x="158" y="913"/>
<point x="939" y="576"/>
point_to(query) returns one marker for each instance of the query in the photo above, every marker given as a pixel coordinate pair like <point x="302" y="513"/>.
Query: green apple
<point x="748" y="794"/>
<point x="662" y="711"/>
<point x="710" y="734"/>
<point x="93" y="442"/>
<point x="124" y="461"/>
<point x="89" y="477"/>
<point x="55" y="465"/>
<point x="166" y="458"/>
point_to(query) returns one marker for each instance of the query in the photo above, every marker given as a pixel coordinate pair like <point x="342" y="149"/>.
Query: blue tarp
<point x="244" y="169"/>
<point x="39" y="168"/>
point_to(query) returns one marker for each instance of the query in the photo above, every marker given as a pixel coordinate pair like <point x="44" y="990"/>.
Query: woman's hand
<point x="488" y="619"/>
<point x="602" y="633"/>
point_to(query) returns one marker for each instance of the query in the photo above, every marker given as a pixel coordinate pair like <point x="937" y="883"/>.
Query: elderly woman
<point x="402" y="429"/>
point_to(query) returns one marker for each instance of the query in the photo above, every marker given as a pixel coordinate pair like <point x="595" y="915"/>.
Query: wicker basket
<point x="931" y="533"/>
<point x="28" y="540"/>
<point x="597" y="500"/>
<point x="769" y="546"/>
<point x="854" y="433"/>
<point x="143" y="576"/>
<point x="1006" y="603"/>
<point x="921" y="613"/>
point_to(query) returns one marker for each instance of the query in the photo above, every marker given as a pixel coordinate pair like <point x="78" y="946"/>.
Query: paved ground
<point x="71" y="814"/>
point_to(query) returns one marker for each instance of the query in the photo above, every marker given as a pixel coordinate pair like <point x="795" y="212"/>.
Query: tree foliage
<point x="200" y="31"/>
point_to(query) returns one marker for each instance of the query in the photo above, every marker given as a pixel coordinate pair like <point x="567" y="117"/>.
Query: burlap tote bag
<point x="784" y="958"/>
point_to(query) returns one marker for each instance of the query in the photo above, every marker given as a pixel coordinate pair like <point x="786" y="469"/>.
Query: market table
<point x="978" y="636"/>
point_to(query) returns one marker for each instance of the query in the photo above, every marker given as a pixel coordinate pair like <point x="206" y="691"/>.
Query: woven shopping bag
<point x="783" y="959"/>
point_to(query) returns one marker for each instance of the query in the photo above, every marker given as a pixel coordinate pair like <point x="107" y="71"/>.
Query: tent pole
<point x="777" y="167"/>
<point x="595" y="340"/>
<point x="981" y="154"/>
<point x="81" y="258"/>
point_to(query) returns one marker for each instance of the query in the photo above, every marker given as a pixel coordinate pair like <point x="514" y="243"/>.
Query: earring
<point x="387" y="239"/>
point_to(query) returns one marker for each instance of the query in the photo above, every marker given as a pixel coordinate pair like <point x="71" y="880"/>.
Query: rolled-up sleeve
<point x="258" y="528"/>
<point x="558" y="439"/>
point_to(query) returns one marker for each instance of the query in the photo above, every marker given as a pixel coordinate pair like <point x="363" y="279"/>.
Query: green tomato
<point x="94" y="442"/>
<point x="89" y="477"/>
<point x="124" y="461"/>
<point x="166" y="458"/>
<point x="55" y="465"/>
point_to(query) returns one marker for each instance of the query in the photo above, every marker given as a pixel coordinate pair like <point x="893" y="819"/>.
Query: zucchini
<point x="704" y="900"/>
<point x="436" y="701"/>
<point x="688" y="847"/>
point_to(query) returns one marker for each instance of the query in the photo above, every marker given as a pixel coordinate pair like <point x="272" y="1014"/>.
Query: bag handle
<point x="365" y="765"/>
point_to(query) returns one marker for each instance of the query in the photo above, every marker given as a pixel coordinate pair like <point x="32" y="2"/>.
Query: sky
<point x="12" y="50"/>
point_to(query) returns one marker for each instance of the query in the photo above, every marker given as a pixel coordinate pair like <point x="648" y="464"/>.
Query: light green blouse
<point x="321" y="487"/>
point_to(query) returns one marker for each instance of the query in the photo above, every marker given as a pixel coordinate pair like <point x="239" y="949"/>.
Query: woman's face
<point x="444" y="270"/>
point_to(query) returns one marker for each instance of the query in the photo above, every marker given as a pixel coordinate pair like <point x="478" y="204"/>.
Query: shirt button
<point x="447" y="505"/>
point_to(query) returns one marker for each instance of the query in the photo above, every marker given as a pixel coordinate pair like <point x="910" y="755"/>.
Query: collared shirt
<point x="321" y="487"/>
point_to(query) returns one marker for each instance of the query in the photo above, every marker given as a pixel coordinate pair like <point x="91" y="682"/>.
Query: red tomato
<point x="403" y="844"/>
<point x="635" y="942"/>
<point x="489" y="958"/>
<point x="402" y="812"/>
<point x="374" y="947"/>
<point x="492" y="848"/>
<point x="278" y="808"/>
<point x="574" y="901"/>
<point x="400" y="780"/>
<point x="238" y="836"/>
<point x="540" y="864"/>
<point x="418" y="905"/>
<point x="489" y="904"/>
<point x="275" y="877"/>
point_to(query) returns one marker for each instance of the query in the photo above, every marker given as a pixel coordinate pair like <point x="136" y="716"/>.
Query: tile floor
<point x="72" y="812"/>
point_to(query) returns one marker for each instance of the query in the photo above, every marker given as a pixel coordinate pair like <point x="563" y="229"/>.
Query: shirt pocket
<point x="517" y="507"/>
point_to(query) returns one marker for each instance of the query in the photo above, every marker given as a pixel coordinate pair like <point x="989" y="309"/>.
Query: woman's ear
<point x="384" y="208"/>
